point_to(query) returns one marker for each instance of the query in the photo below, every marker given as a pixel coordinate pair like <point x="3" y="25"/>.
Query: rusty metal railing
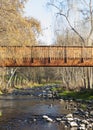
<point x="46" y="56"/>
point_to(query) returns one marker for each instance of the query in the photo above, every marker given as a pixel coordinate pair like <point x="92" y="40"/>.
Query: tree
<point x="14" y="28"/>
<point x="65" y="10"/>
<point x="83" y="28"/>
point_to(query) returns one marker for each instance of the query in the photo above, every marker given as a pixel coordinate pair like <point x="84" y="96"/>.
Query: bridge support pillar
<point x="48" y="59"/>
<point x="65" y="55"/>
<point x="82" y="60"/>
<point x="32" y="60"/>
<point x="65" y="60"/>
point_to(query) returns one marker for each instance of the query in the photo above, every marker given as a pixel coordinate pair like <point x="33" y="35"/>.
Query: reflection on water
<point x="25" y="113"/>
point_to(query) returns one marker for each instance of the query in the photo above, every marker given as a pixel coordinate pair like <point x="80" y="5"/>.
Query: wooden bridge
<point x="55" y="56"/>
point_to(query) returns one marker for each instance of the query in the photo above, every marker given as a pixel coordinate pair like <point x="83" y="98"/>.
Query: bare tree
<point x="64" y="9"/>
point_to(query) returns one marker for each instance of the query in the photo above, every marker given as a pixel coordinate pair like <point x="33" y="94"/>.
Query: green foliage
<point x="84" y="106"/>
<point x="86" y="94"/>
<point x="90" y="97"/>
<point x="54" y="89"/>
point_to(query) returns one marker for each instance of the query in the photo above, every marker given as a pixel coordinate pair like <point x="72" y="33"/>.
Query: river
<point x="24" y="112"/>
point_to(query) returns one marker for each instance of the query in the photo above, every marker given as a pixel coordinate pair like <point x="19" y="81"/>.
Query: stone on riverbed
<point x="91" y="113"/>
<point x="34" y="120"/>
<point x="89" y="126"/>
<point x="47" y="118"/>
<point x="85" y="122"/>
<point x="69" y="116"/>
<point x="73" y="124"/>
<point x="58" y="119"/>
<point x="70" y="119"/>
<point x="82" y="127"/>
<point x="61" y="100"/>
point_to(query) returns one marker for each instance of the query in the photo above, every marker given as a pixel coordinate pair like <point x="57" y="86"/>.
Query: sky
<point x="38" y="10"/>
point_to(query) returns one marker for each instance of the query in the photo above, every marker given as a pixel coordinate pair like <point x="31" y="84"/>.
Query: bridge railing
<point x="46" y="51"/>
<point x="44" y="54"/>
<point x="60" y="52"/>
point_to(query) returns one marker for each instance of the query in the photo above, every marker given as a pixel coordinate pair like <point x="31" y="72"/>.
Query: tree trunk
<point x="89" y="77"/>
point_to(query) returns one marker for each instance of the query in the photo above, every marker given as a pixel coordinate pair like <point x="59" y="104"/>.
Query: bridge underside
<point x="46" y="62"/>
<point x="46" y="56"/>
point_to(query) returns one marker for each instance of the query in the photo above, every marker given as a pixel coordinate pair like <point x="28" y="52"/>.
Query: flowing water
<point x="25" y="113"/>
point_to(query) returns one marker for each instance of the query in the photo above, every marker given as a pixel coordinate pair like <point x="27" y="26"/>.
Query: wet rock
<point x="73" y="124"/>
<point x="82" y="127"/>
<point x="85" y="122"/>
<point x="61" y="100"/>
<point x="58" y="119"/>
<point x="69" y="116"/>
<point x="49" y="95"/>
<point x="76" y="112"/>
<point x="89" y="126"/>
<point x="81" y="113"/>
<point x="70" y="119"/>
<point x="47" y="118"/>
<point x="91" y="113"/>
<point x="86" y="113"/>
<point x="77" y="119"/>
<point x="65" y="126"/>
<point x="34" y="120"/>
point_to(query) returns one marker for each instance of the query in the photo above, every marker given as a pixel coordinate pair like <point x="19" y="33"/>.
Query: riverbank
<point x="29" y="85"/>
<point x="83" y="94"/>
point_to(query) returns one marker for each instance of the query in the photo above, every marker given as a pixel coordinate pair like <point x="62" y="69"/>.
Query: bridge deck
<point x="46" y="56"/>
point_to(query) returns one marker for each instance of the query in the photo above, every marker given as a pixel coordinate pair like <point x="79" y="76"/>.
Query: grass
<point x="85" y="94"/>
<point x="31" y="85"/>
<point x="28" y="85"/>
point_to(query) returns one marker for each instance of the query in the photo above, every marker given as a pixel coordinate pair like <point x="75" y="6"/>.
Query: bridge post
<point x="48" y="59"/>
<point x="65" y="55"/>
<point x="82" y="60"/>
<point x="32" y="60"/>
<point x="49" y="55"/>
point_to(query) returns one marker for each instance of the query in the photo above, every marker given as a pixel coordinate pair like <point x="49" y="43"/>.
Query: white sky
<point x="39" y="10"/>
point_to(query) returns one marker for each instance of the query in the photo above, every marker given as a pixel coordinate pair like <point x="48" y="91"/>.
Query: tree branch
<point x="72" y="27"/>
